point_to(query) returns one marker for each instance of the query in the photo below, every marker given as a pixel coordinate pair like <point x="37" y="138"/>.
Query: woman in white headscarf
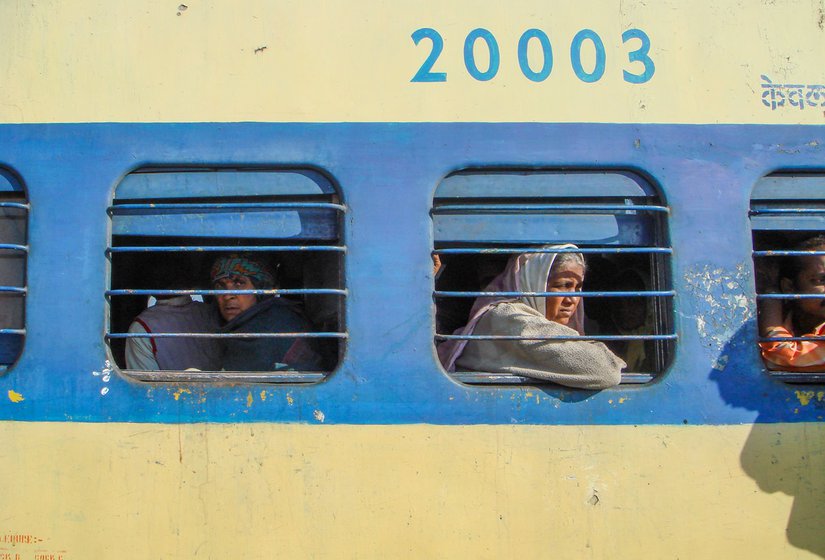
<point x="584" y="364"/>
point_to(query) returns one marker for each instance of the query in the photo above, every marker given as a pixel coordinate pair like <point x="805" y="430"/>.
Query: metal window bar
<point x="13" y="290"/>
<point x="520" y="250"/>
<point x="634" y="293"/>
<point x="788" y="253"/>
<point x="300" y="334"/>
<point x="278" y="291"/>
<point x="488" y="378"/>
<point x="790" y="296"/>
<point x="551" y="208"/>
<point x="152" y="208"/>
<point x="190" y="376"/>
<point x="798" y="377"/>
<point x="791" y="338"/>
<point x="225" y="248"/>
<point x="778" y="211"/>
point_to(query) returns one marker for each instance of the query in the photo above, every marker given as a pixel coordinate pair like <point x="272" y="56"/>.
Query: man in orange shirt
<point x="798" y="275"/>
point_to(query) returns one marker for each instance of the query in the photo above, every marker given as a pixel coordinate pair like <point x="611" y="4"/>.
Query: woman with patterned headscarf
<point x="585" y="364"/>
<point x="253" y="313"/>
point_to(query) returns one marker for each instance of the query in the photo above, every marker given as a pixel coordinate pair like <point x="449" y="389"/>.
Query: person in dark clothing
<point x="252" y="313"/>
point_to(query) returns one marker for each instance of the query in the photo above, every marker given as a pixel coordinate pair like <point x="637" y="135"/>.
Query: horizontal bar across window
<point x="225" y="248"/>
<point x="13" y="290"/>
<point x="301" y="334"/>
<point x="490" y="378"/>
<point x="555" y="208"/>
<point x="13" y="331"/>
<point x="14" y="247"/>
<point x="790" y="296"/>
<point x="531" y="250"/>
<point x="291" y="291"/>
<point x="598" y="337"/>
<point x="18" y="205"/>
<point x="220" y="206"/>
<point x="769" y="211"/>
<point x="798" y="377"/>
<point x="790" y="338"/>
<point x="661" y="293"/>
<point x="788" y="253"/>
<point x="177" y="376"/>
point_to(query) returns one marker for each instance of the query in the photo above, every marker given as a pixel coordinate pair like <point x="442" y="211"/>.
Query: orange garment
<point x="794" y="355"/>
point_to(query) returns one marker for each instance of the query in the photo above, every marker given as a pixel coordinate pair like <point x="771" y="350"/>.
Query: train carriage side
<point x="352" y="186"/>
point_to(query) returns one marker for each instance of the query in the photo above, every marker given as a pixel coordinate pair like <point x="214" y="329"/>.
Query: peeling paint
<point x="289" y="400"/>
<point x="723" y="306"/>
<point x="249" y="399"/>
<point x="15" y="397"/>
<point x="318" y="415"/>
<point x="105" y="375"/>
<point x="180" y="392"/>
<point x="622" y="400"/>
<point x="263" y="395"/>
<point x="805" y="397"/>
<point x="721" y="362"/>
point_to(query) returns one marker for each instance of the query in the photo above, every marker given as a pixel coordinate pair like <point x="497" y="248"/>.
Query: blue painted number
<point x="425" y="73"/>
<point x="469" y="57"/>
<point x="547" y="52"/>
<point x="639" y="55"/>
<point x="576" y="56"/>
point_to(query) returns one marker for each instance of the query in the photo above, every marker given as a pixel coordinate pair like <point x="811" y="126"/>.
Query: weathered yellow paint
<point x="416" y="491"/>
<point x="332" y="60"/>
<point x="181" y="391"/>
<point x="15" y="397"/>
<point x="805" y="397"/>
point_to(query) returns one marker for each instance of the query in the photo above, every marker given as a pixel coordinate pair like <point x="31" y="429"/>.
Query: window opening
<point x="14" y="213"/>
<point x="787" y="216"/>
<point x="170" y="226"/>
<point x="619" y="224"/>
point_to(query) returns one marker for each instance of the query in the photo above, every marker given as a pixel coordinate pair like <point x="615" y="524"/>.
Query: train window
<point x="617" y="222"/>
<point x="250" y="263"/>
<point x="14" y="212"/>
<point x="788" y="224"/>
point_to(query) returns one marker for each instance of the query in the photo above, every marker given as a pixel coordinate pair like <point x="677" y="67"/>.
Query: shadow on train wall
<point x="778" y="459"/>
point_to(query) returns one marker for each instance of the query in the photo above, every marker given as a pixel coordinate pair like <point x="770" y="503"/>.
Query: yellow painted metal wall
<point x="296" y="491"/>
<point x="320" y="61"/>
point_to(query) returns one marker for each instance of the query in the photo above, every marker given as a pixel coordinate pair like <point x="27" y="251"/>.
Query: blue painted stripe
<point x="387" y="174"/>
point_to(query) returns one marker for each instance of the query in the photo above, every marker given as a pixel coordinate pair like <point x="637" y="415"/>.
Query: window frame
<point x="15" y="197"/>
<point x="304" y="204"/>
<point x="560" y="187"/>
<point x="786" y="203"/>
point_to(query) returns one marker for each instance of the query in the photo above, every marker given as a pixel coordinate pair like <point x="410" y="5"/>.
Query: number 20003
<point x="641" y="66"/>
